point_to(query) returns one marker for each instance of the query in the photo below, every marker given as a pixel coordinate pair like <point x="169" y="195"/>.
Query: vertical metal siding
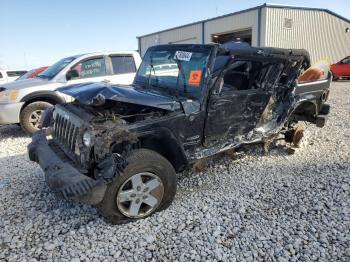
<point x="187" y="34"/>
<point x="321" y="33"/>
<point x="263" y="27"/>
<point x="194" y="33"/>
<point x="233" y="23"/>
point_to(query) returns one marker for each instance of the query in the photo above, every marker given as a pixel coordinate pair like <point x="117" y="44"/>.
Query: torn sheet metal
<point x="111" y="132"/>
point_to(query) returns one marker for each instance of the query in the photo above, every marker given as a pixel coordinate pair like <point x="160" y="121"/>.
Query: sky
<point x="36" y="33"/>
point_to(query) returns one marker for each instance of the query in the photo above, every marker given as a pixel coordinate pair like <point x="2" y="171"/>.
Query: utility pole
<point x="25" y="61"/>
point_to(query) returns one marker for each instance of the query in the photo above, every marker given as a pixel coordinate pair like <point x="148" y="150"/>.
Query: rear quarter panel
<point x="315" y="92"/>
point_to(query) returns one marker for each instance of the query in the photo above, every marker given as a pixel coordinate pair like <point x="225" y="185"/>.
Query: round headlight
<point x="87" y="138"/>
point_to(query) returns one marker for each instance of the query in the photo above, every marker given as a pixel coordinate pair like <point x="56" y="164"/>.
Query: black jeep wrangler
<point x="119" y="147"/>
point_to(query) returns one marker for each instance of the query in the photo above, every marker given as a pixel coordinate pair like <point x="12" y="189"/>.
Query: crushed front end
<point x="74" y="153"/>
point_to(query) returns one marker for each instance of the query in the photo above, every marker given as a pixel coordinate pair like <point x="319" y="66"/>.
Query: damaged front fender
<point x="108" y="136"/>
<point x="111" y="167"/>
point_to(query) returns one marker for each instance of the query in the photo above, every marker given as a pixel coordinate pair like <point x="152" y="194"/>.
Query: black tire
<point x="26" y="115"/>
<point x="140" y="160"/>
<point x="325" y="109"/>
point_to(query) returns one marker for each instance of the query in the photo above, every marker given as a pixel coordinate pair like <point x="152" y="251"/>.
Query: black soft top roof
<point x="242" y="48"/>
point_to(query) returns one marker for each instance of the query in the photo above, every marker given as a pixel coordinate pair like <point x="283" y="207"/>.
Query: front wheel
<point x="147" y="185"/>
<point x="31" y="114"/>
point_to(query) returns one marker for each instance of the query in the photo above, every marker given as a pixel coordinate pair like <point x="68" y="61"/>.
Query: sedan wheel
<point x="34" y="118"/>
<point x="31" y="114"/>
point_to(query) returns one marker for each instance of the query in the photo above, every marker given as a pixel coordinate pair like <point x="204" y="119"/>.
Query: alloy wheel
<point x="34" y="118"/>
<point x="140" y="195"/>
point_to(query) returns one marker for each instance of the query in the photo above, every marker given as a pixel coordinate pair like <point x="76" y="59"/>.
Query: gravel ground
<point x="278" y="207"/>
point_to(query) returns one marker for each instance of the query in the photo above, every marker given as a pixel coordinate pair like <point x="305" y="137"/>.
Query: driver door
<point x="91" y="69"/>
<point x="235" y="105"/>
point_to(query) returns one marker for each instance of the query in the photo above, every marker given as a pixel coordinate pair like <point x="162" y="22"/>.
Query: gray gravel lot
<point x="278" y="207"/>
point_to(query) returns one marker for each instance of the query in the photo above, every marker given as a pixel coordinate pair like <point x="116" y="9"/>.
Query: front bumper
<point x="9" y="113"/>
<point x="62" y="177"/>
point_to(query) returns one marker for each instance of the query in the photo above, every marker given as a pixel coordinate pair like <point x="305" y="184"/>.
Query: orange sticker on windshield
<point x="195" y="77"/>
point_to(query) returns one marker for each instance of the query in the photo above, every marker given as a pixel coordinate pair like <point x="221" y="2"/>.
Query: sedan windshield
<point x="176" y="70"/>
<point x="26" y="75"/>
<point x="53" y="70"/>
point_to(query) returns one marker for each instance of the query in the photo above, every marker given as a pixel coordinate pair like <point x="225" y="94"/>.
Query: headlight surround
<point x="8" y="95"/>
<point x="87" y="138"/>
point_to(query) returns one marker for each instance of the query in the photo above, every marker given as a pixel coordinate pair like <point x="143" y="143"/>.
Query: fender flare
<point x="308" y="118"/>
<point x="168" y="146"/>
<point x="300" y="103"/>
<point x="47" y="96"/>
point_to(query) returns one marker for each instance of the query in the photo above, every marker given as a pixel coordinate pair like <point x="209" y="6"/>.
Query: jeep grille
<point x="66" y="132"/>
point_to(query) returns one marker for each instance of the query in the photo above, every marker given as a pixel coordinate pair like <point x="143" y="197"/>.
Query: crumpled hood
<point x="97" y="93"/>
<point x="27" y="83"/>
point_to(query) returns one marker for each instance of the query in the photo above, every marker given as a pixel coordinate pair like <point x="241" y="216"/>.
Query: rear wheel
<point x="294" y="136"/>
<point x="147" y="185"/>
<point x="31" y="114"/>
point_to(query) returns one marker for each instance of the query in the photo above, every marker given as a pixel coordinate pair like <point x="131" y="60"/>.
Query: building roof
<point x="252" y="9"/>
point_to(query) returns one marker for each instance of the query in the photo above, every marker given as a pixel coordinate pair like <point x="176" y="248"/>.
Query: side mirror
<point x="73" y="73"/>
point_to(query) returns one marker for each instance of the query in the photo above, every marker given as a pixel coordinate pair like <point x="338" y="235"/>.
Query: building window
<point x="288" y="23"/>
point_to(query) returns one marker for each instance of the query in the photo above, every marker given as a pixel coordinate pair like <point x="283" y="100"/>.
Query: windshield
<point x="53" y="70"/>
<point x="175" y="70"/>
<point x="26" y="75"/>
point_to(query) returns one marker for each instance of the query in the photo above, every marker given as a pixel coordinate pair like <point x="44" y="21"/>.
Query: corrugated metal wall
<point x="193" y="33"/>
<point x="184" y="35"/>
<point x="321" y="33"/>
<point x="232" y="23"/>
<point x="263" y="27"/>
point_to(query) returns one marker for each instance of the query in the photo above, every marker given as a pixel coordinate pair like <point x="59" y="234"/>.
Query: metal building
<point x="325" y="34"/>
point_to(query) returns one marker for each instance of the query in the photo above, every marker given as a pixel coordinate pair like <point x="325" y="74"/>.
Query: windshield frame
<point x="53" y="70"/>
<point x="180" y="89"/>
